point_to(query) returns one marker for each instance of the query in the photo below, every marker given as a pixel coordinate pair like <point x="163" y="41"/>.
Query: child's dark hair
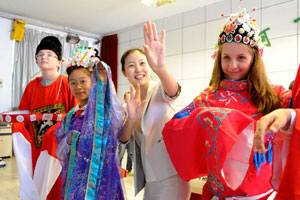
<point x="73" y="68"/>
<point x="129" y="51"/>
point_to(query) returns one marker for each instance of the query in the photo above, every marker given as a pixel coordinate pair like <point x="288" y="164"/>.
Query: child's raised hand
<point x="134" y="103"/>
<point x="154" y="48"/>
<point x="272" y="122"/>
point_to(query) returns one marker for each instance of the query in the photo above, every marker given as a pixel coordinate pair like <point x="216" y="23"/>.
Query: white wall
<point x="7" y="54"/>
<point x="6" y="62"/>
<point x="191" y="36"/>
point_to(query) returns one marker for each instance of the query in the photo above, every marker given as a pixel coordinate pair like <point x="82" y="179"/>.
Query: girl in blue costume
<point x="87" y="137"/>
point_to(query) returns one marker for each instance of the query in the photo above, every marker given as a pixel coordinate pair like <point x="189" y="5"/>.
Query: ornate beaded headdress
<point x="83" y="56"/>
<point x="240" y="28"/>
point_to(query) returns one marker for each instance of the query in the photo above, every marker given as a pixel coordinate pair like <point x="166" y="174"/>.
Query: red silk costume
<point x="55" y="98"/>
<point x="289" y="187"/>
<point x="213" y="136"/>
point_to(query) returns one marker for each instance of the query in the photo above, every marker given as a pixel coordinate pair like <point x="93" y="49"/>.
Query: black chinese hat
<point x="50" y="43"/>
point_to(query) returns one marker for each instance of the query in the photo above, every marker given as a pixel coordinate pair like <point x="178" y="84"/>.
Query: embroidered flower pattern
<point x="214" y="185"/>
<point x="227" y="97"/>
<point x="234" y="85"/>
<point x="185" y="112"/>
<point x="208" y="121"/>
<point x="207" y="144"/>
<point x="231" y="95"/>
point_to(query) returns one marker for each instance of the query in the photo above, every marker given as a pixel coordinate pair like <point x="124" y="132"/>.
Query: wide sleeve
<point x="199" y="140"/>
<point x="296" y="91"/>
<point x="22" y="151"/>
<point x="287" y="179"/>
<point x="117" y="111"/>
<point x="290" y="178"/>
<point x="63" y="139"/>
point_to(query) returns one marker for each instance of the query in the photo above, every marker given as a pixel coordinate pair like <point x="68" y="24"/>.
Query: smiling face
<point x="136" y="69"/>
<point x="47" y="60"/>
<point x="80" y="84"/>
<point x="236" y="61"/>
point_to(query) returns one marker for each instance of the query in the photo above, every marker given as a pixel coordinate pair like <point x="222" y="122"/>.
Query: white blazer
<point x="151" y="159"/>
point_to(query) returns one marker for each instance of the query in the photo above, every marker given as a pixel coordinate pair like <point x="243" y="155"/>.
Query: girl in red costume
<point x="213" y="136"/>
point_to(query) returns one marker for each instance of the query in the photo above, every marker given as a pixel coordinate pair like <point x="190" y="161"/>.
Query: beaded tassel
<point x="260" y="158"/>
<point x="256" y="161"/>
<point x="269" y="153"/>
<point x="263" y="158"/>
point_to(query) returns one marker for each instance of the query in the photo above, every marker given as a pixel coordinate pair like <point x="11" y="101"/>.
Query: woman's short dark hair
<point x="129" y="51"/>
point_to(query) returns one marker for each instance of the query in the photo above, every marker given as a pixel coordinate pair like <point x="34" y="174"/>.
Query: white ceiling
<point x="99" y="17"/>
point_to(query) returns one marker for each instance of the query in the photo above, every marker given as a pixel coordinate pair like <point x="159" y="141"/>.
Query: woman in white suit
<point x="148" y="111"/>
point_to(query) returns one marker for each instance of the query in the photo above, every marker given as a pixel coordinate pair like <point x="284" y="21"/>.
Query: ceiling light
<point x="158" y="2"/>
<point x="164" y="2"/>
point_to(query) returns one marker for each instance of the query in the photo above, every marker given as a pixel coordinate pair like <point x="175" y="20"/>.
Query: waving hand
<point x="154" y="48"/>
